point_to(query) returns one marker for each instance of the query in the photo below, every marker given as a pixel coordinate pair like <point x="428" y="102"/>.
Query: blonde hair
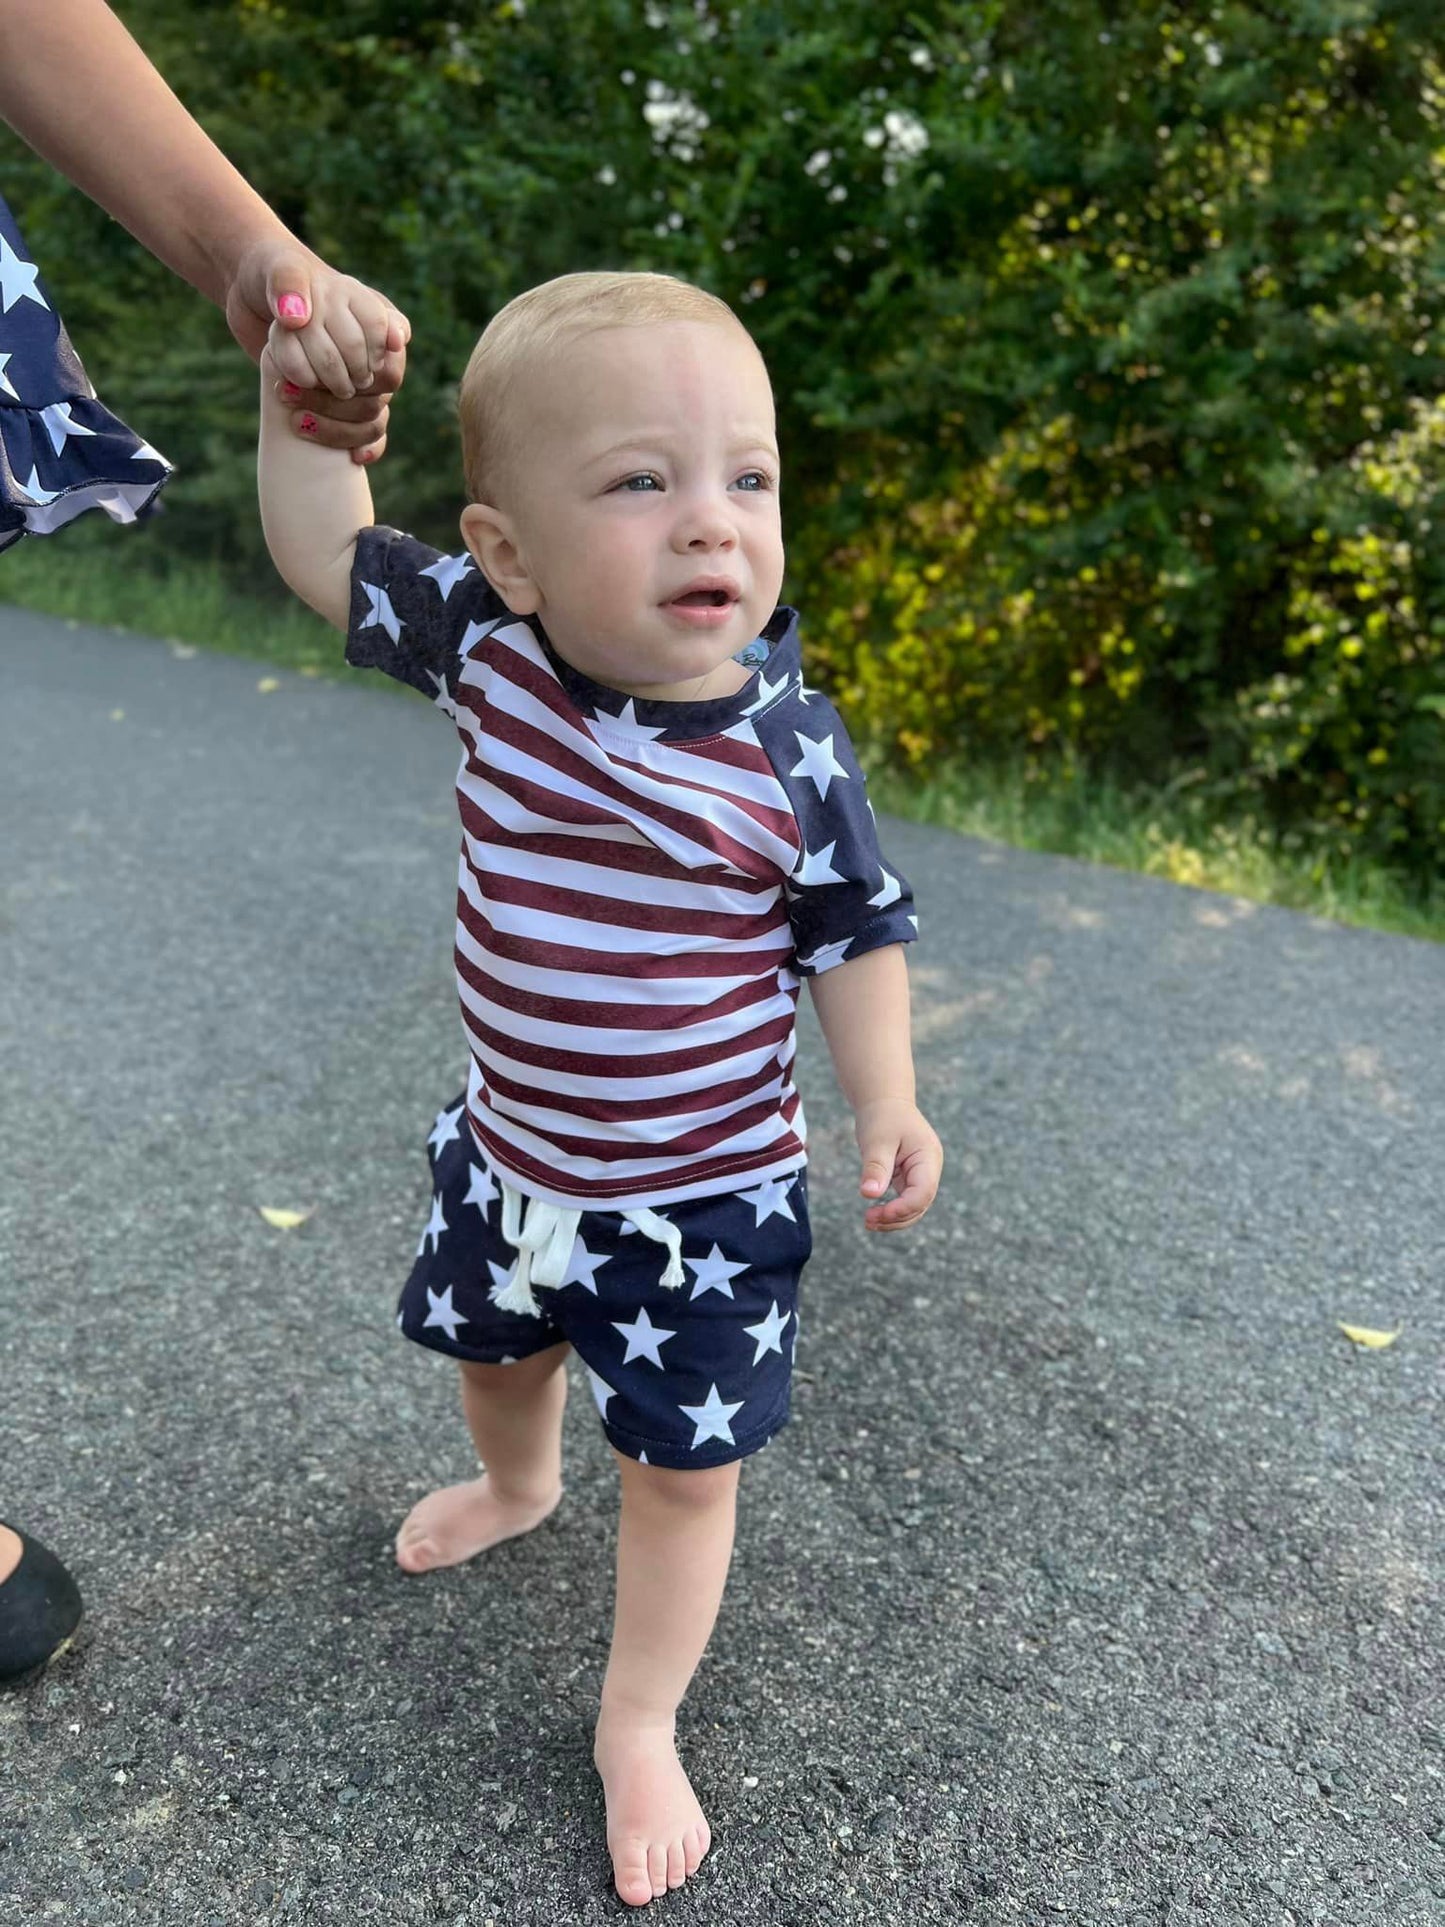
<point x="536" y="324"/>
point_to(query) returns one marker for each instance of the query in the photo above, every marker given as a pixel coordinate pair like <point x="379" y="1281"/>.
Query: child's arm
<point x="313" y="501"/>
<point x="863" y="1009"/>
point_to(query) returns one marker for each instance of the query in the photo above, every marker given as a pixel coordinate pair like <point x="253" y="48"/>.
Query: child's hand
<point x="900" y="1148"/>
<point x="342" y="350"/>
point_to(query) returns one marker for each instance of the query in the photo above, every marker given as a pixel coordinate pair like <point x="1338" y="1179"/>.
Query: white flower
<point x="907" y="136"/>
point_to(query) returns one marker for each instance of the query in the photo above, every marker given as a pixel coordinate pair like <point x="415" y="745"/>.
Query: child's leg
<point x="514" y="1414"/>
<point x="673" y="1546"/>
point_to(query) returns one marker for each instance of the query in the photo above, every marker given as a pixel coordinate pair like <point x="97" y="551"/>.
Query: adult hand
<point x="339" y="346"/>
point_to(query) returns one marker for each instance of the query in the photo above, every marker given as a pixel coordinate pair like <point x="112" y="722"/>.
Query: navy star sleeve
<point x="844" y="897"/>
<point x="412" y="608"/>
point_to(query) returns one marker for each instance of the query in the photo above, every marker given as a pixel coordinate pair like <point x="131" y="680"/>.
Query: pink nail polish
<point x="290" y="390"/>
<point x="293" y="307"/>
<point x="308" y="424"/>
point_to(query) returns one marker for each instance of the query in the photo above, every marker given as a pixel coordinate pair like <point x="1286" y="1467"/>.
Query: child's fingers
<point x="916" y="1175"/>
<point x="387" y="332"/>
<point x="388" y="374"/>
<point x="290" y="356"/>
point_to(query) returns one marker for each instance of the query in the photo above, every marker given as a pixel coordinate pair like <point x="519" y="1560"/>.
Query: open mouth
<point x="703" y="599"/>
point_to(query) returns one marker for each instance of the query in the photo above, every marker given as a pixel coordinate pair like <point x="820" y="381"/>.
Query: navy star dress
<point x="61" y="451"/>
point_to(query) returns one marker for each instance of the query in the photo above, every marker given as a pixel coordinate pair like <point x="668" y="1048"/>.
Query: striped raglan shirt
<point x="641" y="887"/>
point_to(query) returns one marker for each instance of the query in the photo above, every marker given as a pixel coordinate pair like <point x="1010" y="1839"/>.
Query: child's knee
<point x="689" y="1489"/>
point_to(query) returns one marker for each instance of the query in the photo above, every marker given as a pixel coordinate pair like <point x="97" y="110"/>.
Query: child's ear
<point x="489" y="536"/>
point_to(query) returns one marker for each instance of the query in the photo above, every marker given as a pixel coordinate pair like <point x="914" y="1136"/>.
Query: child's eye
<point x="640" y="484"/>
<point x="755" y="482"/>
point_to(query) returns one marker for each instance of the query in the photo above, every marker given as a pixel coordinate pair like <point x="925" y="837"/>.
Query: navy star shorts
<point x="693" y="1376"/>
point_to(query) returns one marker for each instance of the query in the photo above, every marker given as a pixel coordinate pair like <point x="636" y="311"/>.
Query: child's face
<point x="641" y="520"/>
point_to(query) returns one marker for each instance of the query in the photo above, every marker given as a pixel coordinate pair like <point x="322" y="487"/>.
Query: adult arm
<point x="75" y="85"/>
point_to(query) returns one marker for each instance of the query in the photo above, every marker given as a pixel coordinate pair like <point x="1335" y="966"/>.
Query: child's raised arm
<point x="313" y="501"/>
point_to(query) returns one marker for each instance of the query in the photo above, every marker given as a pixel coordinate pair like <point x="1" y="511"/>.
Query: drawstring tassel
<point x="544" y="1240"/>
<point x="664" y="1233"/>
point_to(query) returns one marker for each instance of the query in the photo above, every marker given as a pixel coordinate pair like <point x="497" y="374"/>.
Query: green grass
<point x="1162" y="835"/>
<point x="1169" y="835"/>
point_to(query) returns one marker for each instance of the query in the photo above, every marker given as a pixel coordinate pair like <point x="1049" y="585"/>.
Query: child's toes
<point x="695" y="1843"/>
<point x="629" y="1870"/>
<point x="657" y="1868"/>
<point x="676" y="1864"/>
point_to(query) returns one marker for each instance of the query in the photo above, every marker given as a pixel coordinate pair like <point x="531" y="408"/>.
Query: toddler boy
<point x="663" y="832"/>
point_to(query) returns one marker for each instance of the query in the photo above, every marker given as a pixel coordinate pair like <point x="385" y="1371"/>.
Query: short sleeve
<point x="844" y="897"/>
<point x="413" y="609"/>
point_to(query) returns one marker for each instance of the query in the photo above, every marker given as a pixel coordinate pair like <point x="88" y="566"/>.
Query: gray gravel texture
<point x="1096" y="1579"/>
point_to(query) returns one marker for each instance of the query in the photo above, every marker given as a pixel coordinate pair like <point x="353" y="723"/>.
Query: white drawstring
<point x="544" y="1241"/>
<point x="665" y="1234"/>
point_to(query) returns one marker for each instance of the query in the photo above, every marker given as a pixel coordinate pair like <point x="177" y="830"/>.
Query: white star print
<point x="583" y="1266"/>
<point x="441" y="1311"/>
<point x="60" y="424"/>
<point x="713" y="1419"/>
<point x="17" y="279"/>
<point x="444" y="699"/>
<point x="769" y="1198"/>
<point x="5" y="384"/>
<point x="502" y="1276"/>
<point x="482" y="1189"/>
<point x="445" y="1131"/>
<point x="380" y="612"/>
<point x="826" y="955"/>
<point x="766" y="692"/>
<point x="818" y="762"/>
<point x="627" y="720"/>
<point x="32" y="490"/>
<point x="806" y="695"/>
<point x="601" y="1391"/>
<point x="890" y="893"/>
<point x="644" y="1339"/>
<point x="713" y="1273"/>
<point x="914" y="922"/>
<point x="436" y="1225"/>
<point x="145" y="453"/>
<point x="448" y="572"/>
<point x="769" y="1333"/>
<point x="816" y="866"/>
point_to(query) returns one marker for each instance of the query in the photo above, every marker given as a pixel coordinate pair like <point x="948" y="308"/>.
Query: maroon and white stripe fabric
<point x="641" y="888"/>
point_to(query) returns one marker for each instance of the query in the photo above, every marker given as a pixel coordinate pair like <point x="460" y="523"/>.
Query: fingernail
<point x="290" y="390"/>
<point x="308" y="424"/>
<point x="292" y="307"/>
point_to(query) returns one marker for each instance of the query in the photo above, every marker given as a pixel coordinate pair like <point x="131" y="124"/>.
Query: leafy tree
<point x="1105" y="336"/>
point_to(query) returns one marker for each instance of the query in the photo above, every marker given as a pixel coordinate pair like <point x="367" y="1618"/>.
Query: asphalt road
<point x="1096" y="1580"/>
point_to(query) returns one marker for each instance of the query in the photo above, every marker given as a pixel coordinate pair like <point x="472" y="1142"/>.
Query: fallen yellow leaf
<point x="283" y="1220"/>
<point x="267" y="684"/>
<point x="1372" y="1340"/>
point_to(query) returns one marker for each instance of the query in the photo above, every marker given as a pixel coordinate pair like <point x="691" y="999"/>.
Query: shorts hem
<point x="681" y="1458"/>
<point x="475" y="1354"/>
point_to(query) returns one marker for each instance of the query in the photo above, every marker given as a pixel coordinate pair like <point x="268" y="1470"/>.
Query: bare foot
<point x="656" y="1832"/>
<point x="459" y="1521"/>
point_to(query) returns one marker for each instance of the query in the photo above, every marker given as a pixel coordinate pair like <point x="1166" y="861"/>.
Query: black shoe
<point x="39" y="1609"/>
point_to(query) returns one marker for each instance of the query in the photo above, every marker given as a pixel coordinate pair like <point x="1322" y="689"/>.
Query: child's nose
<point x="705" y="525"/>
